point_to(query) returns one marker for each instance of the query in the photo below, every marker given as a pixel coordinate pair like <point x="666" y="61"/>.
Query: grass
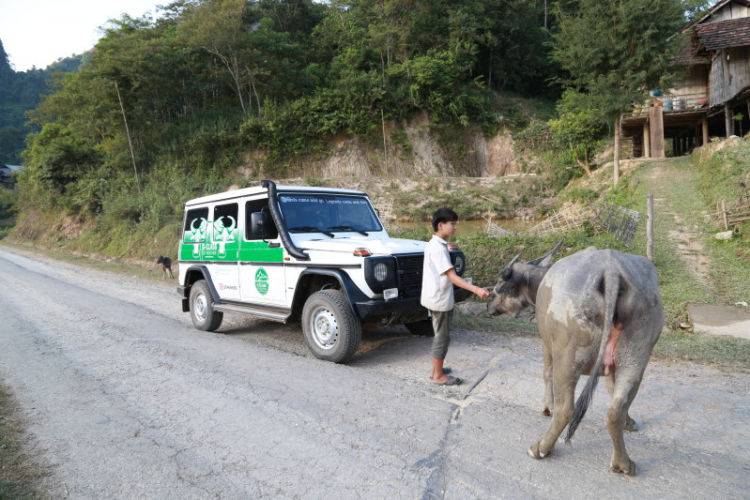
<point x="17" y="475"/>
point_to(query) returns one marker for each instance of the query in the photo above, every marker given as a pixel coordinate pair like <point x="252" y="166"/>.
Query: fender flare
<point x="185" y="290"/>
<point x="348" y="288"/>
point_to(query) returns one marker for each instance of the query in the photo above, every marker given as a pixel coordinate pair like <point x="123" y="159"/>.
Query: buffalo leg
<point x="630" y="424"/>
<point x="548" y="392"/>
<point x="564" y="381"/>
<point x="624" y="392"/>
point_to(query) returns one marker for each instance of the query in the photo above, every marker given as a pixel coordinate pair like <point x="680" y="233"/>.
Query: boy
<point x="438" y="278"/>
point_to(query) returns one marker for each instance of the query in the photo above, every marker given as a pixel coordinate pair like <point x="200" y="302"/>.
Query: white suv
<point x="285" y="253"/>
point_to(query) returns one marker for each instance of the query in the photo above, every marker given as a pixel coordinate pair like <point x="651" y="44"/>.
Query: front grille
<point x="409" y="268"/>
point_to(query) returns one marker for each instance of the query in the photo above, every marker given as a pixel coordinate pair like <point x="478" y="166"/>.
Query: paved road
<point x="125" y="399"/>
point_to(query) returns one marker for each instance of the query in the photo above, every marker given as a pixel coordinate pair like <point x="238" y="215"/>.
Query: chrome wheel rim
<point x="324" y="328"/>
<point x="200" y="307"/>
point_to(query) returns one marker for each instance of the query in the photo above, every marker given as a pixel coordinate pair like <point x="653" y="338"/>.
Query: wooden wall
<point x="730" y="11"/>
<point x="730" y="74"/>
<point x="693" y="83"/>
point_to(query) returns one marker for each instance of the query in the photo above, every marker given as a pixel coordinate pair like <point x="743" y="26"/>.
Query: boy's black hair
<point x="443" y="215"/>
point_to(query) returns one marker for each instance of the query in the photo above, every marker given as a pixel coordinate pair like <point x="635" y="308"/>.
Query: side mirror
<point x="258" y="222"/>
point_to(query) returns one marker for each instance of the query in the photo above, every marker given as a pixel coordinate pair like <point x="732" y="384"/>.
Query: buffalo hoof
<point x="628" y="471"/>
<point x="631" y="425"/>
<point x="547" y="412"/>
<point x="534" y="452"/>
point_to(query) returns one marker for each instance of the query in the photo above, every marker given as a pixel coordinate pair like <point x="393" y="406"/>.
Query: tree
<point x="614" y="51"/>
<point x="577" y="129"/>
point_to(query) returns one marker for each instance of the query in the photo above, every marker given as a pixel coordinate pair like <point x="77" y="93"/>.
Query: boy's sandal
<point x="446" y="371"/>
<point x="451" y="381"/>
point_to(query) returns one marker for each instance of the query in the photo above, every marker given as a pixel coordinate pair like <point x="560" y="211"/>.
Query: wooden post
<point x="704" y="126"/>
<point x="656" y="126"/>
<point x="617" y="152"/>
<point x="646" y="141"/>
<point x="724" y="213"/>
<point x="650" y="229"/>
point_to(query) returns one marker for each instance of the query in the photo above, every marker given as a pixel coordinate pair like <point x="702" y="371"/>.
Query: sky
<point x="36" y="33"/>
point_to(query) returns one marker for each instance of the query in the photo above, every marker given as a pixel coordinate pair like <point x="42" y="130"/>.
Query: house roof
<point x="725" y="34"/>
<point x="690" y="53"/>
<point x="713" y="10"/>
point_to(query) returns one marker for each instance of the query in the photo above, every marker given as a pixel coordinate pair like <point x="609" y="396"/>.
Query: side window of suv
<point x="196" y="226"/>
<point x="225" y="222"/>
<point x="269" y="227"/>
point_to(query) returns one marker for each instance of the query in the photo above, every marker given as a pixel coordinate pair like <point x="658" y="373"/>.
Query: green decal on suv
<point x="261" y="281"/>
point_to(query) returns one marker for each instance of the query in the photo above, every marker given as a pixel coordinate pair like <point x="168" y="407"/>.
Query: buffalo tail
<point x="611" y="289"/>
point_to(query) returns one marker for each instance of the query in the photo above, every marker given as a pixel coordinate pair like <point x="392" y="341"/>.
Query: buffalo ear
<point x="508" y="270"/>
<point x="546" y="260"/>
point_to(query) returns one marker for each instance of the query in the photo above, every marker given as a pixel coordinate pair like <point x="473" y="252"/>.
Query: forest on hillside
<point x="168" y="106"/>
<point x="21" y="92"/>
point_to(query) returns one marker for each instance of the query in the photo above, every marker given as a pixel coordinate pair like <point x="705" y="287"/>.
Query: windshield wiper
<point x="311" y="229"/>
<point x="347" y="228"/>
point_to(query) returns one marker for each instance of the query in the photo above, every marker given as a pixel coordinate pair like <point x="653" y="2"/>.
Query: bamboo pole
<point x="385" y="143"/>
<point x="650" y="229"/>
<point x="130" y="143"/>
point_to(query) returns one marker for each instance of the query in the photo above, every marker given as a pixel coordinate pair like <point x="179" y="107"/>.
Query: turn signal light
<point x="362" y="252"/>
<point x="451" y="246"/>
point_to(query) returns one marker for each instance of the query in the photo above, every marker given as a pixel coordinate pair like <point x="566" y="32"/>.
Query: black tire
<point x="203" y="316"/>
<point x="422" y="328"/>
<point x="332" y="332"/>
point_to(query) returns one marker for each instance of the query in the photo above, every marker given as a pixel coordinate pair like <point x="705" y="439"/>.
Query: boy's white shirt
<point x="437" y="289"/>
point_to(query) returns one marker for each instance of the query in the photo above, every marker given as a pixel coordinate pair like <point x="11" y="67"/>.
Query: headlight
<point x="380" y="271"/>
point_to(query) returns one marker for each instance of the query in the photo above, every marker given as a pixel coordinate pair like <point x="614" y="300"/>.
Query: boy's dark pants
<point x="441" y="323"/>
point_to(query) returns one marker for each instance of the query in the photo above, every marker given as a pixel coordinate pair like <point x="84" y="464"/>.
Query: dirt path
<point x="687" y="240"/>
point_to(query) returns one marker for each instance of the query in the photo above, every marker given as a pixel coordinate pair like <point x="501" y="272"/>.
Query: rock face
<point x="411" y="148"/>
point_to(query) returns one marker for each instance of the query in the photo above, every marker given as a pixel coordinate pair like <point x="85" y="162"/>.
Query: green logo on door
<point x="261" y="281"/>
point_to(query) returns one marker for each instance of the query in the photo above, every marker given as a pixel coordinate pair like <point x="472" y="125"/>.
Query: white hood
<point x="390" y="246"/>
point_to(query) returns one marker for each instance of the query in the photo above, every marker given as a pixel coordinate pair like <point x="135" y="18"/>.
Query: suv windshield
<point x="309" y="213"/>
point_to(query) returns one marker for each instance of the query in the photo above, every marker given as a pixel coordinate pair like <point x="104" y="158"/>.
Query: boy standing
<point x="438" y="278"/>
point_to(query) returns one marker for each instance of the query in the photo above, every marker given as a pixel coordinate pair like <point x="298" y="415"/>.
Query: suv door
<point x="261" y="261"/>
<point x="223" y="251"/>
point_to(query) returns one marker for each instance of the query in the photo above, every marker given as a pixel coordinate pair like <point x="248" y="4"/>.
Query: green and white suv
<point x="287" y="253"/>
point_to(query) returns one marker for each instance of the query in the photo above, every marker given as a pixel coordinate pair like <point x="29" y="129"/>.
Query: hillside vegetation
<point x="215" y="93"/>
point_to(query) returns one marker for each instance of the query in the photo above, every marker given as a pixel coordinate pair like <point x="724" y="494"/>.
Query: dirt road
<point x="124" y="399"/>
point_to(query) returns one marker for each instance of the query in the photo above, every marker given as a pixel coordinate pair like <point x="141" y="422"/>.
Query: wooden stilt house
<point x="713" y="97"/>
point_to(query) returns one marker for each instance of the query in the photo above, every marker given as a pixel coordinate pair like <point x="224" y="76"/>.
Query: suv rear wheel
<point x="203" y="316"/>
<point x="332" y="332"/>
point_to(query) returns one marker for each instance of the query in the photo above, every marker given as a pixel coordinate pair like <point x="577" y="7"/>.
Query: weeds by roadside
<point x="17" y="475"/>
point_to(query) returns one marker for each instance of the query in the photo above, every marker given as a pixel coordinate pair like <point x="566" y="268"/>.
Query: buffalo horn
<point x="546" y="260"/>
<point x="507" y="270"/>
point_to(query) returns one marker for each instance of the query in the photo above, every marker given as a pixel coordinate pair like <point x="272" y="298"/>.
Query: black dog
<point x="166" y="265"/>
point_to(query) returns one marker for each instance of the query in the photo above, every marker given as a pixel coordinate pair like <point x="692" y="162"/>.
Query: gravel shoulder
<point x="125" y="399"/>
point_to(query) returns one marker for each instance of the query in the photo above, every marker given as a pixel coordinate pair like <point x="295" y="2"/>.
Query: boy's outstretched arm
<point x="457" y="280"/>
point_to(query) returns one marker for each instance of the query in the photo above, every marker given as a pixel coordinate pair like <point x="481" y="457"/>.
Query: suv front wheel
<point x="332" y="332"/>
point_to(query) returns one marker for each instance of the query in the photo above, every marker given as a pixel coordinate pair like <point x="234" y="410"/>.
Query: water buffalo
<point x="599" y="312"/>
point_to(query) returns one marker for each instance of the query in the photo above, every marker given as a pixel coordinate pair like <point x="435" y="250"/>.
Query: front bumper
<point x="378" y="308"/>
